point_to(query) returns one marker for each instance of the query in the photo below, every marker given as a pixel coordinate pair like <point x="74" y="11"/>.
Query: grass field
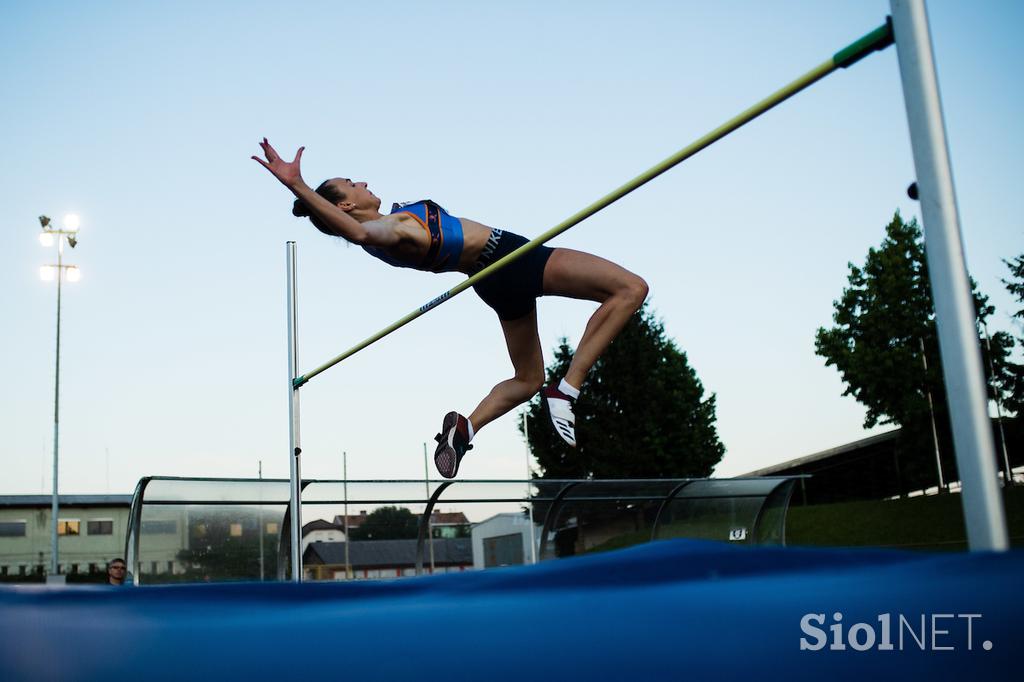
<point x="933" y="522"/>
<point x="929" y="523"/>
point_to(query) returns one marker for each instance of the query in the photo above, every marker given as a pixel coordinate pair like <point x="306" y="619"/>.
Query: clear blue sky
<point x="141" y="117"/>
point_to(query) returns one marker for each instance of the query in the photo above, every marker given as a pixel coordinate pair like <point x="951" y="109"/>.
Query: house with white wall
<point x="504" y="540"/>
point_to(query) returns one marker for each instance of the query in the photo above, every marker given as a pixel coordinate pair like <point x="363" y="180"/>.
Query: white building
<point x="504" y="540"/>
<point x="90" y="532"/>
<point x="321" y="531"/>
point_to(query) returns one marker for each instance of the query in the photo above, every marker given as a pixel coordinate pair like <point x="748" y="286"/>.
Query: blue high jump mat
<point x="669" y="610"/>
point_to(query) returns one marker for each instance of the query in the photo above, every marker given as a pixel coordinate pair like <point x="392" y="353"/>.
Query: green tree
<point x="1015" y="285"/>
<point x="642" y="413"/>
<point x="388" y="523"/>
<point x="1014" y="402"/>
<point x="883" y="320"/>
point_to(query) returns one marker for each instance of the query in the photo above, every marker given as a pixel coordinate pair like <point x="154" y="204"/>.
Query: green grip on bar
<point x="879" y="39"/>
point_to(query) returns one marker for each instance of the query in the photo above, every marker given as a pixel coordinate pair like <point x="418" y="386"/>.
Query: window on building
<point x="3" y="570"/>
<point x="159" y="527"/>
<point x="156" y="568"/>
<point x="272" y="528"/>
<point x="100" y="527"/>
<point x="12" y="529"/>
<point x="170" y="567"/>
<point x="450" y="531"/>
<point x="236" y="530"/>
<point x="92" y="568"/>
<point x="21" y="570"/>
<point x="69" y="527"/>
<point x="74" y="569"/>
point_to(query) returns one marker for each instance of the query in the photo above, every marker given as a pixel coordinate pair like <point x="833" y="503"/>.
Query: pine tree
<point x="642" y="413"/>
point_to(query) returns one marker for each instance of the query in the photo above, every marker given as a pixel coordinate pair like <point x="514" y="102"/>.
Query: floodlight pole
<point x="69" y="233"/>
<point x="294" y="449"/>
<point x="54" y="502"/>
<point x="951" y="290"/>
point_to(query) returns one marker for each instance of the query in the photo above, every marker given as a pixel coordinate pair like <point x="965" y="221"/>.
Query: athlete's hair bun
<point x="299" y="209"/>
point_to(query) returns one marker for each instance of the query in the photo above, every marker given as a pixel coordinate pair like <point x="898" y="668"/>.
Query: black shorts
<point x="513" y="290"/>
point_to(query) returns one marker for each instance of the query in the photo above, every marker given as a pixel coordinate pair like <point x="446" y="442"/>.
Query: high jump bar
<point x="879" y="39"/>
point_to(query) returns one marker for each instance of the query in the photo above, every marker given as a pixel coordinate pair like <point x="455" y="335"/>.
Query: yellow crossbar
<point x="876" y="40"/>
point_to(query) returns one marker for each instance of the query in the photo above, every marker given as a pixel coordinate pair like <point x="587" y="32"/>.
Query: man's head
<point x="116" y="571"/>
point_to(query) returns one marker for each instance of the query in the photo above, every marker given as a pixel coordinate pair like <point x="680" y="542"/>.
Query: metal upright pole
<point x="931" y="413"/>
<point x="54" y="503"/>
<point x="259" y="522"/>
<point x="430" y="526"/>
<point x="294" y="449"/>
<point x="1007" y="471"/>
<point x="348" y="540"/>
<point x="984" y="516"/>
<point x="533" y="539"/>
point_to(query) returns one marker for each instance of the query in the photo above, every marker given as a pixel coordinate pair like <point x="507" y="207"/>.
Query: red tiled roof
<point x="449" y="519"/>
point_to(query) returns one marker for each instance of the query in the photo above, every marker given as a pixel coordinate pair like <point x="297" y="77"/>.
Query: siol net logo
<point x="892" y="632"/>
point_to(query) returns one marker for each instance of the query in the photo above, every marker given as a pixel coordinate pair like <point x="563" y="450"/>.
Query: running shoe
<point x="560" y="408"/>
<point x="452" y="444"/>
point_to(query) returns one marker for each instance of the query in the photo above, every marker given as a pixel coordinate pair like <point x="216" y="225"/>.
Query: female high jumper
<point x="423" y="236"/>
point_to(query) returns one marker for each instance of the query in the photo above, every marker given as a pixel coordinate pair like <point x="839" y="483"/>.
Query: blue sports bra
<point x="445" y="237"/>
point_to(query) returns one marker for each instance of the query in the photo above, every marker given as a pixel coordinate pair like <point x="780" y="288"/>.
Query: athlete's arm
<point x="383" y="232"/>
<point x="373" y="233"/>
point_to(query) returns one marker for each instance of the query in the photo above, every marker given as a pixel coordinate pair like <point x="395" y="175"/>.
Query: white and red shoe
<point x="560" y="408"/>
<point x="452" y="444"/>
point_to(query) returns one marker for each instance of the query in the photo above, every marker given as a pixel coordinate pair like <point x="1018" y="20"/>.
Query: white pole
<point x="54" y="503"/>
<point x="533" y="539"/>
<point x="1008" y="472"/>
<point x="984" y="516"/>
<point x="259" y="522"/>
<point x="931" y="412"/>
<point x="348" y="540"/>
<point x="430" y="527"/>
<point x="294" y="449"/>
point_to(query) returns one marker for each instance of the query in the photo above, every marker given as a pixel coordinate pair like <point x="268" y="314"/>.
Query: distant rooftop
<point x="799" y="464"/>
<point x="388" y="553"/>
<point x="66" y="500"/>
<point x="356" y="520"/>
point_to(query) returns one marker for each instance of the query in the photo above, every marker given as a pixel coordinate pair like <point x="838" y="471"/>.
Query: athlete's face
<point x="357" y="195"/>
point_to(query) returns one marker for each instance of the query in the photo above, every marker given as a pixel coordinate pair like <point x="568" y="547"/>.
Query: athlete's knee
<point x="635" y="291"/>
<point x="531" y="381"/>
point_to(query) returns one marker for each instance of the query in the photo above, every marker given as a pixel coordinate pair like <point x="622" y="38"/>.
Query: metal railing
<point x="175" y="520"/>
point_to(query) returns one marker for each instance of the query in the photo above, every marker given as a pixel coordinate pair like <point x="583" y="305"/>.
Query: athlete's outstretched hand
<point x="288" y="173"/>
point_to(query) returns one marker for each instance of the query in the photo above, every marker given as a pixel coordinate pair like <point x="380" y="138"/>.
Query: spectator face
<point x="115" y="571"/>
